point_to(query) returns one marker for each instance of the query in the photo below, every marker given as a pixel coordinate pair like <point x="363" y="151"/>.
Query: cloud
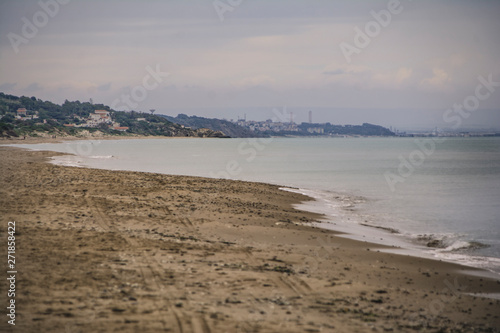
<point x="32" y="88"/>
<point x="440" y="80"/>
<point x="369" y="78"/>
<point x="348" y="70"/>
<point x="403" y="74"/>
<point x="458" y="60"/>
<point x="392" y="79"/>
<point x="7" y="86"/>
<point x="344" y="69"/>
<point x="104" y="87"/>
<point x="286" y="52"/>
<point x="259" y="80"/>
<point x="336" y="72"/>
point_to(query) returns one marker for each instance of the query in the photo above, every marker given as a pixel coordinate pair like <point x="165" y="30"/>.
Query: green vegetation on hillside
<point x="80" y="119"/>
<point x="363" y="130"/>
<point x="70" y="118"/>
<point x="227" y="127"/>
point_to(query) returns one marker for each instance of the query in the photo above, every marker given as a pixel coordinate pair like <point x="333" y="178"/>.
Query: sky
<point x="395" y="63"/>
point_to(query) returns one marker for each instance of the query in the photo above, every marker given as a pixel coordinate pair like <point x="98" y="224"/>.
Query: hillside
<point x="29" y="116"/>
<point x="271" y="128"/>
<point x="362" y="130"/>
<point x="224" y="126"/>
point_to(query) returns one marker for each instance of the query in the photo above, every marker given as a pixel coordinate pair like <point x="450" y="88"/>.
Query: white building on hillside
<point x="99" y="117"/>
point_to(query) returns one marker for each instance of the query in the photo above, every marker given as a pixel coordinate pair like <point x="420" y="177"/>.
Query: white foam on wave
<point x="341" y="216"/>
<point x="446" y="242"/>
<point x="68" y="160"/>
<point x="457" y="245"/>
<point x="453" y="247"/>
<point x="339" y="210"/>
<point x="101" y="157"/>
<point x="488" y="263"/>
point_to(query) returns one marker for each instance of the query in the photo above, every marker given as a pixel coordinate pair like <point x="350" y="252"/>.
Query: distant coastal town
<point x="32" y="117"/>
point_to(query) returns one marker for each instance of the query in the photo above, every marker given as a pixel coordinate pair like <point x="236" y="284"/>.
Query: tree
<point x="8" y="118"/>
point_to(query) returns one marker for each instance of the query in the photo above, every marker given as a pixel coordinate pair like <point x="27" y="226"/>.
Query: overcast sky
<point x="225" y="58"/>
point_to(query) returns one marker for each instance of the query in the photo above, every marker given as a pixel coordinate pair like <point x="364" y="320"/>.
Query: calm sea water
<point x="446" y="191"/>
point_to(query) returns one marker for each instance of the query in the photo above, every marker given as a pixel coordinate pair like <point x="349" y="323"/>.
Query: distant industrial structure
<point x="270" y="127"/>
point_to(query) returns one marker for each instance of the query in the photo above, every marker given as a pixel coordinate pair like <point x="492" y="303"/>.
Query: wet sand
<point x="104" y="251"/>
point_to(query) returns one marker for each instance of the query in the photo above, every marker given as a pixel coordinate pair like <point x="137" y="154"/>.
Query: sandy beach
<point x="116" y="251"/>
<point x="58" y="139"/>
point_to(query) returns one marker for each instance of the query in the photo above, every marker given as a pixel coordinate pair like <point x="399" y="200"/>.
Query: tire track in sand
<point x="151" y="273"/>
<point x="146" y="271"/>
<point x="297" y="287"/>
<point x="198" y="323"/>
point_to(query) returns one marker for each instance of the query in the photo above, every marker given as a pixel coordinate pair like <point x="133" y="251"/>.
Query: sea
<point x="431" y="197"/>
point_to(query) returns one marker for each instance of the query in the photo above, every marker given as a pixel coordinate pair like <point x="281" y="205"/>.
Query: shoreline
<point x="411" y="244"/>
<point x="37" y="140"/>
<point x="402" y="243"/>
<point x="143" y="251"/>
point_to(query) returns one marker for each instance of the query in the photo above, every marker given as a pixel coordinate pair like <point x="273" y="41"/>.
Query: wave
<point x="71" y="161"/>
<point x="450" y="243"/>
<point x="103" y="156"/>
<point x="343" y="216"/>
